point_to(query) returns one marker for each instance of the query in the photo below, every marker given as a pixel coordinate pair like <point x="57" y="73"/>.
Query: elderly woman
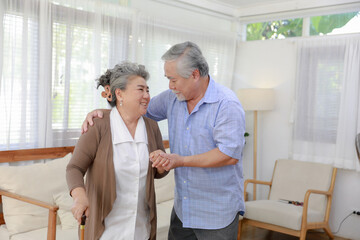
<point x="119" y="196"/>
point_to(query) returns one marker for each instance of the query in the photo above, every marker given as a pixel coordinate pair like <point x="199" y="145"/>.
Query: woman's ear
<point x="118" y="94"/>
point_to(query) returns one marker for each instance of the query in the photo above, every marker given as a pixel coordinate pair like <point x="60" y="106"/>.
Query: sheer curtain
<point x="327" y="115"/>
<point x="51" y="55"/>
<point x="155" y="38"/>
<point x="52" y="52"/>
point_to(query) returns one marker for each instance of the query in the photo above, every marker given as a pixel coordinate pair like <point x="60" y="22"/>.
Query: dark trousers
<point x="177" y="232"/>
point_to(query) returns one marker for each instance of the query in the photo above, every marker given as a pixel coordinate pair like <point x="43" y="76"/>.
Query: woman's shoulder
<point x="150" y="122"/>
<point x="104" y="121"/>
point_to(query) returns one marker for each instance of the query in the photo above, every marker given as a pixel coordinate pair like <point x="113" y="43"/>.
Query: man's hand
<point x="166" y="161"/>
<point x="159" y="160"/>
<point x="175" y="161"/>
<point x="89" y="119"/>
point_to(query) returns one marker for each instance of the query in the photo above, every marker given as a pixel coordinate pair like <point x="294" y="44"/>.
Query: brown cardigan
<point x="93" y="155"/>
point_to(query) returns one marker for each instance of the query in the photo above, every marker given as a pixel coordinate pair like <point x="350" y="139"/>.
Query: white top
<point x="129" y="217"/>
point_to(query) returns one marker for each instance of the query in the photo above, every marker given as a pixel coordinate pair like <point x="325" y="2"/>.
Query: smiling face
<point x="135" y="98"/>
<point x="182" y="87"/>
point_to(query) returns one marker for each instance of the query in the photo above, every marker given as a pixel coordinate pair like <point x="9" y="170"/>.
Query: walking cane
<point x="82" y="227"/>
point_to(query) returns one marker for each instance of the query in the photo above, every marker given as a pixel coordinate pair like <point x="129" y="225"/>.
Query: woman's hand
<point x="81" y="203"/>
<point x="159" y="160"/>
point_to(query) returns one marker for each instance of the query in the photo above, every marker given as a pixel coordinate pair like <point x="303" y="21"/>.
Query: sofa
<point x="35" y="203"/>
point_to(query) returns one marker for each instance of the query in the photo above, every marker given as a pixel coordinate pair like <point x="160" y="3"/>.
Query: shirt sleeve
<point x="157" y="109"/>
<point x="230" y="128"/>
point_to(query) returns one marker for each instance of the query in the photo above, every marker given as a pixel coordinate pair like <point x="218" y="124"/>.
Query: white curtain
<point x="154" y="38"/>
<point x="51" y="55"/>
<point x="327" y="115"/>
<point x="52" y="52"/>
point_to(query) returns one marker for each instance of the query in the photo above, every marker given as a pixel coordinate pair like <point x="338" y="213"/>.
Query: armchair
<point x="310" y="184"/>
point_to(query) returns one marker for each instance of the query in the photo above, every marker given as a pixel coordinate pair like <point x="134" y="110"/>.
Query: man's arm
<point x="210" y="159"/>
<point x="97" y="113"/>
<point x="156" y="110"/>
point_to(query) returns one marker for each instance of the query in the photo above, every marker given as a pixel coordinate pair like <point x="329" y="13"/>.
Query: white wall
<point x="272" y="64"/>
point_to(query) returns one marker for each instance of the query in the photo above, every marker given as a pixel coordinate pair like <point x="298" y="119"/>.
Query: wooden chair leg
<point x="328" y="232"/>
<point x="239" y="230"/>
<point x="51" y="234"/>
<point x="303" y="234"/>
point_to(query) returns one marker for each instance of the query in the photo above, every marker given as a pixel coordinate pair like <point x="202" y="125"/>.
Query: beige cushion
<point x="4" y="234"/>
<point x="164" y="187"/>
<point x="39" y="181"/>
<point x="65" y="202"/>
<point x="40" y="234"/>
<point x="163" y="219"/>
<point x="279" y="213"/>
<point x="293" y="178"/>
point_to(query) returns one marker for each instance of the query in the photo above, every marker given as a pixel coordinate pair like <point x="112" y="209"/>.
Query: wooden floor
<point x="253" y="233"/>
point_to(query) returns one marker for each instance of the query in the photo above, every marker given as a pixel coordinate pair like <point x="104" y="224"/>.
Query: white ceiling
<point x="251" y="8"/>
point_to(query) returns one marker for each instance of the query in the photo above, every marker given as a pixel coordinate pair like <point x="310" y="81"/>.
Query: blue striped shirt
<point x="205" y="198"/>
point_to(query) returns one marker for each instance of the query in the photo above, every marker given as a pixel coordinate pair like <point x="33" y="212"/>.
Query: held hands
<point x="164" y="161"/>
<point x="81" y="203"/>
<point x="97" y="113"/>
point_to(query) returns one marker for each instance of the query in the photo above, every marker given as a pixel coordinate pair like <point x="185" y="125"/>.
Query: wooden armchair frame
<point x="51" y="233"/>
<point x="38" y="154"/>
<point x="29" y="155"/>
<point x="305" y="226"/>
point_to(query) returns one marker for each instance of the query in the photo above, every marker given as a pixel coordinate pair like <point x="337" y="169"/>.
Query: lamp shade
<point x="256" y="99"/>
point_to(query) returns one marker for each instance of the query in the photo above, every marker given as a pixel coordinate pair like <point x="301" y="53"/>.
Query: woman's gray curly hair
<point x="119" y="76"/>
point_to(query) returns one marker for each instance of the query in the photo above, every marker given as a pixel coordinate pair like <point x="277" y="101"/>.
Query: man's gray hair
<point x="189" y="58"/>
<point x="119" y="76"/>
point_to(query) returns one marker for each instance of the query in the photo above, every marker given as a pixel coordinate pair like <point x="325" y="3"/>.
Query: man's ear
<point x="196" y="74"/>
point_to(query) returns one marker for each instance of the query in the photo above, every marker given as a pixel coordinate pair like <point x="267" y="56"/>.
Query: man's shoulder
<point x="225" y="94"/>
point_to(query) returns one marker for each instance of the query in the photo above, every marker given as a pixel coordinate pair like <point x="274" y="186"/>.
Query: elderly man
<point x="206" y="133"/>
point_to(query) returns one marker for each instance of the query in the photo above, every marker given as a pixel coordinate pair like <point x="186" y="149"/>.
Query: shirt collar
<point x="211" y="94"/>
<point x="121" y="134"/>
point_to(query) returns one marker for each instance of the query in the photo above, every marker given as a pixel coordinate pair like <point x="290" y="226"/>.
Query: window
<point x="51" y="59"/>
<point x="327" y="109"/>
<point x="274" y="30"/>
<point x="45" y="105"/>
<point x="318" y="93"/>
<point x="19" y="82"/>
<point x="319" y="25"/>
<point x="335" y="24"/>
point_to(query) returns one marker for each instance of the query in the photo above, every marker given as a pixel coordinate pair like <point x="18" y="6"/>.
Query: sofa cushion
<point x="164" y="188"/>
<point x="163" y="219"/>
<point x="68" y="234"/>
<point x="39" y="181"/>
<point x="65" y="202"/>
<point x="279" y="213"/>
<point x="4" y="233"/>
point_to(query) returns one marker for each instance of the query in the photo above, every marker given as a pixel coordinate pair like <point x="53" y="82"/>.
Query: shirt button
<point x="185" y="198"/>
<point x="184" y="181"/>
<point x="187" y="128"/>
<point x="185" y="146"/>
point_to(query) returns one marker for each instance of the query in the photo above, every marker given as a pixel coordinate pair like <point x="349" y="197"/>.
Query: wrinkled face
<point x="182" y="87"/>
<point x="135" y="98"/>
